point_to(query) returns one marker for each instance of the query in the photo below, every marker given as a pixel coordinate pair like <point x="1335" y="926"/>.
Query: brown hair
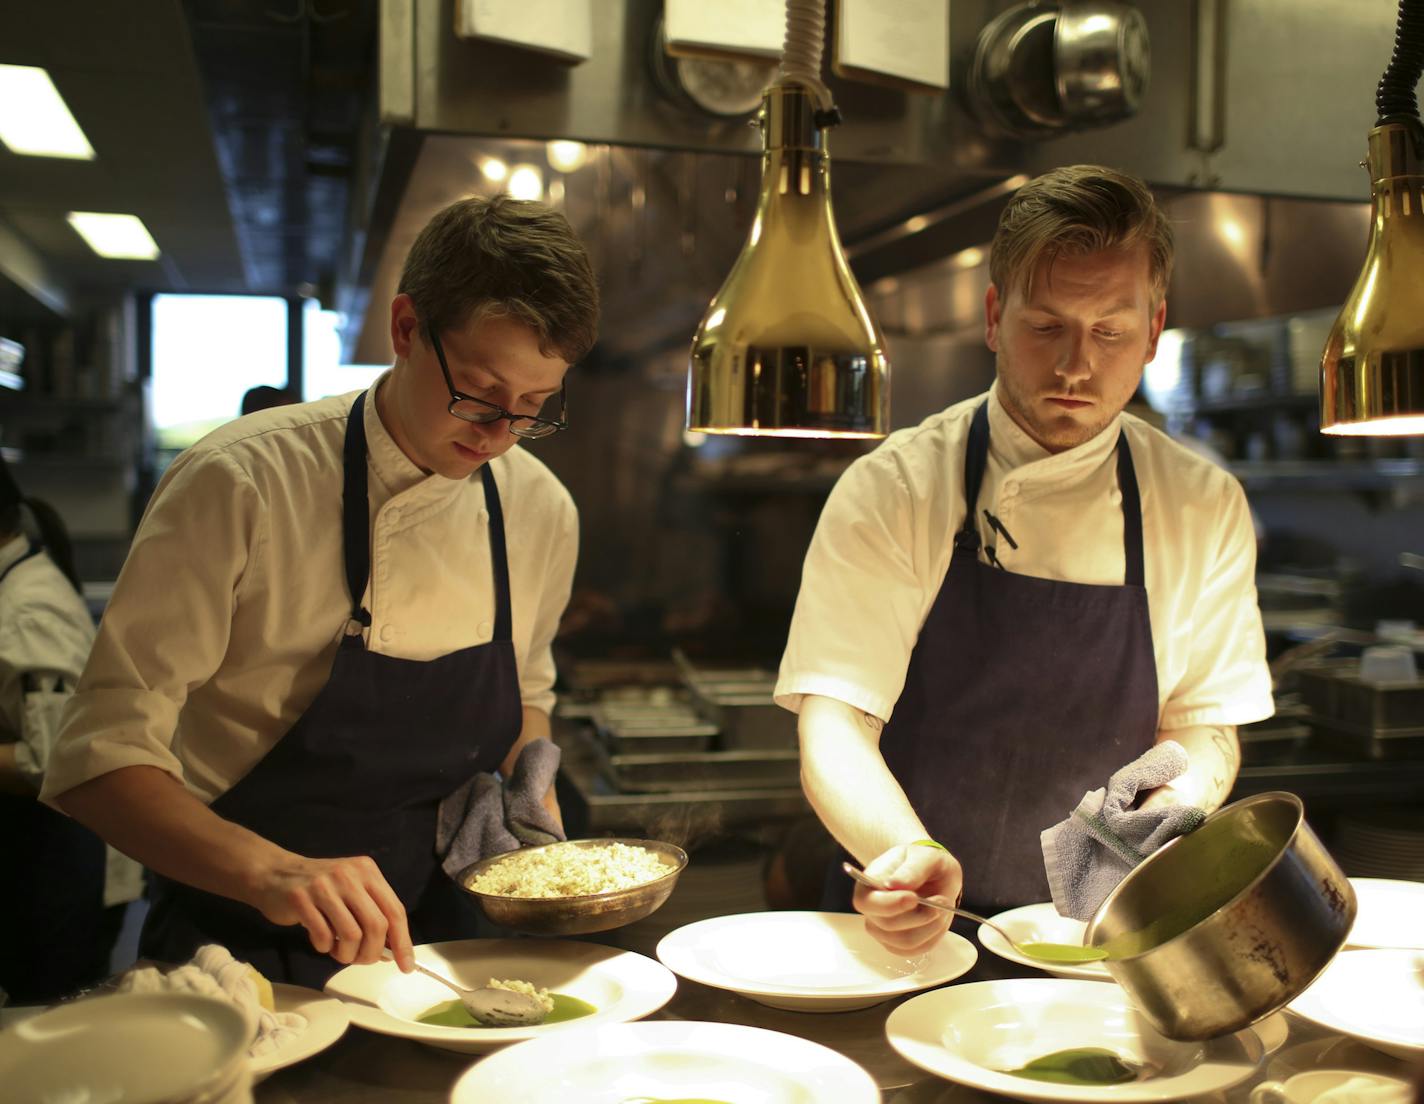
<point x="510" y="257"/>
<point x="1075" y="210"/>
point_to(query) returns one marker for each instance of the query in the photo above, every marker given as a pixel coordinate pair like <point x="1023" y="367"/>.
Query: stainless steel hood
<point x="1274" y="105"/>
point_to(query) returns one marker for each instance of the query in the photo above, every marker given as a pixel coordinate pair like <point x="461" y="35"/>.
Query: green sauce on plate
<point x="1079" y="1066"/>
<point x="453" y="1013"/>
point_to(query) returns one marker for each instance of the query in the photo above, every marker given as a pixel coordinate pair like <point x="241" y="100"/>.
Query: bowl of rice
<point x="575" y="886"/>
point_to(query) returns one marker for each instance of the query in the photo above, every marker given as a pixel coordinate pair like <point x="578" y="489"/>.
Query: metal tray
<point x="1336" y="695"/>
<point x="638" y="740"/>
<point x="713" y="770"/>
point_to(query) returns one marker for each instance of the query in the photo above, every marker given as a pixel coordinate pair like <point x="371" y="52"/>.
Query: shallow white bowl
<point x="1041" y="923"/>
<point x="1391" y="914"/>
<point x="621" y="985"/>
<point x="138" y="1048"/>
<point x="807" y="961"/>
<point x="668" y="1060"/>
<point x="973" y="1034"/>
<point x="1376" y="996"/>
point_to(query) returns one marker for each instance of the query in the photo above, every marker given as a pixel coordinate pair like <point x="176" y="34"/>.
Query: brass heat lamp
<point x="788" y="347"/>
<point x="1372" y="370"/>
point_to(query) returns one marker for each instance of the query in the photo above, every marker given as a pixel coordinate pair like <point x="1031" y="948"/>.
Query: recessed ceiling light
<point x="567" y="156"/>
<point x="494" y="169"/>
<point x="526" y="182"/>
<point x="34" y="119"/>
<point x="117" y="236"/>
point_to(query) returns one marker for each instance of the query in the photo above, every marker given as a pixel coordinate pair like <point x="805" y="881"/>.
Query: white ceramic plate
<point x="1041" y="923"/>
<point x="806" y="961"/>
<point x="1391" y="914"/>
<point x="326" y="1018"/>
<point x="621" y="985"/>
<point x="1272" y="1031"/>
<point x="973" y="1033"/>
<point x="126" y="1047"/>
<point x="668" y="1060"/>
<point x="1376" y="996"/>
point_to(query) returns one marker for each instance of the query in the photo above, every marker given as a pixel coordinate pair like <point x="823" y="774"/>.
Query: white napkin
<point x="213" y="972"/>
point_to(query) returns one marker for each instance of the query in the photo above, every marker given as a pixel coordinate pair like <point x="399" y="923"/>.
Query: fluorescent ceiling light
<point x="34" y="119"/>
<point x="118" y="236"/>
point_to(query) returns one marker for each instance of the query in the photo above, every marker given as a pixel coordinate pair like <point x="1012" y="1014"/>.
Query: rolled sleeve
<point x="1227" y="680"/>
<point x="537" y="672"/>
<point x="861" y="602"/>
<point x="167" y="626"/>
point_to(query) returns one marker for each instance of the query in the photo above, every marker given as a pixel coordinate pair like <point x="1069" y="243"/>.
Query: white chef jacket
<point x="45" y="635"/>
<point x="885" y="538"/>
<point x="225" y="620"/>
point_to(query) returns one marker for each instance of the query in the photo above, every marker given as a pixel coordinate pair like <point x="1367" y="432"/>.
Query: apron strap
<point x="356" y="511"/>
<point x="33" y="551"/>
<point x="503" y="622"/>
<point x="1131" y="515"/>
<point x="976" y="458"/>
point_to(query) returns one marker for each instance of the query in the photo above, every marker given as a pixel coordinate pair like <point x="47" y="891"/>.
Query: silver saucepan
<point x="1224" y="926"/>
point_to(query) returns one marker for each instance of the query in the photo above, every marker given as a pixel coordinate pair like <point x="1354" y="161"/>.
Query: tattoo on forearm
<point x="874" y="722"/>
<point x="1224" y="765"/>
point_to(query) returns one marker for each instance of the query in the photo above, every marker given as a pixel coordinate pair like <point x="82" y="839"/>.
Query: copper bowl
<point x="591" y="912"/>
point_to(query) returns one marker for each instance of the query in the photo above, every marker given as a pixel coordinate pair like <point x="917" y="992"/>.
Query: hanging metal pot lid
<point x="1043" y="68"/>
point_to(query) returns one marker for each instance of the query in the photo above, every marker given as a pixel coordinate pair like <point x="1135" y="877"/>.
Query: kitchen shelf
<point x="1340" y="474"/>
<point x="1294" y="400"/>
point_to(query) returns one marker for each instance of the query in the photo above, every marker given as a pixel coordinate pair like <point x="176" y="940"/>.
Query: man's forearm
<point x="151" y="817"/>
<point x="847" y="782"/>
<point x="1214" y="752"/>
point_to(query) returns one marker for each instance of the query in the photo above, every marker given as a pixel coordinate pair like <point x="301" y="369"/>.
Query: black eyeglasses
<point x="470" y="409"/>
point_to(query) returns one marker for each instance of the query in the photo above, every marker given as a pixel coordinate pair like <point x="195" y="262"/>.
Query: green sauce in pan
<point x="453" y="1014"/>
<point x="1079" y="1066"/>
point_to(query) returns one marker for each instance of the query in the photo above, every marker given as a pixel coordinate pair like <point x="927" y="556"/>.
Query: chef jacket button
<point x="485" y="630"/>
<point x="387" y="632"/>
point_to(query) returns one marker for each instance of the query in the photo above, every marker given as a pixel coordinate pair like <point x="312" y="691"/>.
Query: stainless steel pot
<point x="1222" y="927"/>
<point x="1101" y="61"/>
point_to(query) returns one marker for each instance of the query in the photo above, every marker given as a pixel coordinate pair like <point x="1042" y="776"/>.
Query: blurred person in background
<point x="265" y="397"/>
<point x="52" y="868"/>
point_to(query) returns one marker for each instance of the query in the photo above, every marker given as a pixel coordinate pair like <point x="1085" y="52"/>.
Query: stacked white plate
<point x="139" y="1048"/>
<point x="1385" y="845"/>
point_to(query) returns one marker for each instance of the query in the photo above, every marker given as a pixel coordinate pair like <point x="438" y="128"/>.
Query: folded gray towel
<point x="1095" y="848"/>
<point x="484" y="817"/>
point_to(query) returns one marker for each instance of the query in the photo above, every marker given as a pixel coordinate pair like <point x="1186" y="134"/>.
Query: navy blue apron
<point x="363" y="770"/>
<point x="1022" y="693"/>
<point x="51" y="926"/>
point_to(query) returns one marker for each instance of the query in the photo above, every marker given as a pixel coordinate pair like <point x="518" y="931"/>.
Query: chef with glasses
<point x="335" y="613"/>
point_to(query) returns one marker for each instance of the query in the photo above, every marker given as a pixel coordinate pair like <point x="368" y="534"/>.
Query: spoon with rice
<point x="490" y="1007"/>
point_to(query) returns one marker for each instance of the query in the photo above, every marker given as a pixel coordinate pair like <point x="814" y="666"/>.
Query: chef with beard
<point x="1005" y="604"/>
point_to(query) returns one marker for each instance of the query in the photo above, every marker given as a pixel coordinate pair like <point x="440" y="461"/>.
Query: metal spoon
<point x="490" y="1007"/>
<point x="1064" y="954"/>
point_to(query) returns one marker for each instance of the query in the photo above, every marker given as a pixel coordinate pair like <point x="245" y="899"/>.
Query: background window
<point x="207" y="351"/>
<point x="323" y="373"/>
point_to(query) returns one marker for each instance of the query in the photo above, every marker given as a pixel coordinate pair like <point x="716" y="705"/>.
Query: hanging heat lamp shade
<point x="788" y="347"/>
<point x="1372" y="370"/>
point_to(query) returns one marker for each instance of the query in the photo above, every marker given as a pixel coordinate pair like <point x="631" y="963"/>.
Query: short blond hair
<point x="1075" y="210"/>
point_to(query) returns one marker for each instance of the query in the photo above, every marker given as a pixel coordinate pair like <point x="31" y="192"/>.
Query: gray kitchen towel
<point x="1105" y="837"/>
<point x="485" y="817"/>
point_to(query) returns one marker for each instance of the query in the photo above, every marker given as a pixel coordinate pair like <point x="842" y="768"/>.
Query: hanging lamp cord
<point x="801" y="52"/>
<point x="1394" y="98"/>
